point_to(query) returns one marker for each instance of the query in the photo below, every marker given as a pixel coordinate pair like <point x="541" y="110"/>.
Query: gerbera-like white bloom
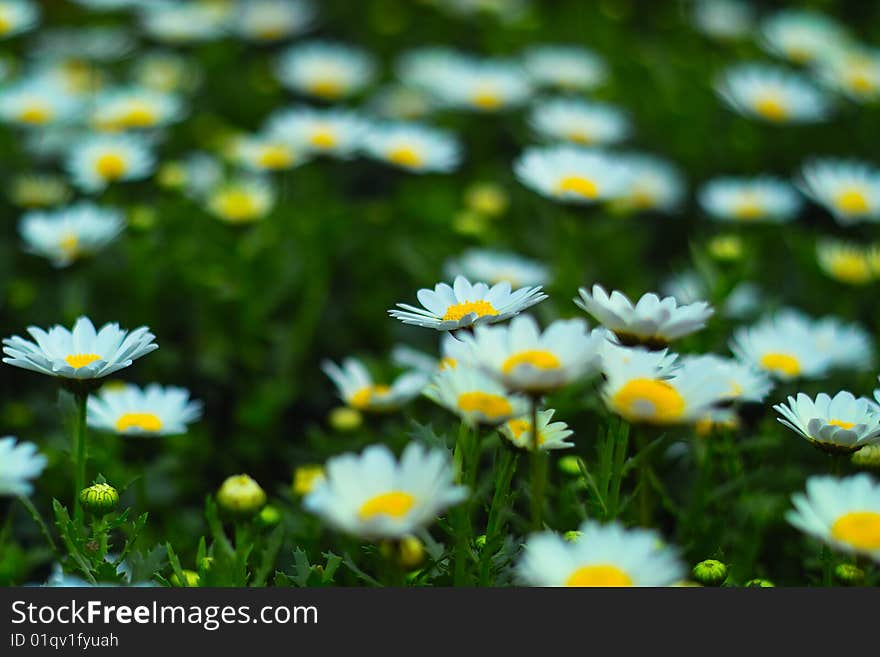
<point x="846" y="262"/>
<point x="655" y="184"/>
<point x="651" y="321"/>
<point x="474" y="396"/>
<point x="497" y="266"/>
<point x="523" y="358"/>
<point x="17" y="16"/>
<point x="166" y="72"/>
<point x="744" y="382"/>
<point x="641" y="388"/>
<point x="784" y="344"/>
<point x="601" y="555"/>
<point x="842" y="423"/>
<point x="843" y="513"/>
<point x="66" y="234"/>
<point x="572" y="174"/>
<point x="854" y="72"/>
<point x="327" y="70"/>
<point x="80" y="353"/>
<point x="176" y="22"/>
<point x="241" y="200"/>
<point x="357" y="388"/>
<point x="801" y="36"/>
<point x="373" y="495"/>
<point x="20" y="463"/>
<point x="847" y="345"/>
<point x="273" y="20"/>
<point x="579" y="121"/>
<point x="151" y="411"/>
<point x="413" y="147"/>
<point x="451" y="307"/>
<point x="267" y="153"/>
<point x="848" y="189"/>
<point x="772" y="94"/>
<point x="551" y="435"/>
<point x="133" y="108"/>
<point x="569" y="68"/>
<point x="331" y="132"/>
<point x="723" y="19"/>
<point x="760" y="199"/>
<point x="36" y="103"/>
<point x="95" y="161"/>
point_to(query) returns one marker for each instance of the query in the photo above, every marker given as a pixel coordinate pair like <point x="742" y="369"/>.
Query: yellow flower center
<point x="149" y="422"/>
<point x="269" y="32"/>
<point x="5" y="23"/>
<point x="520" y="427"/>
<point x="486" y="99"/>
<point x="771" y="107"/>
<point x="578" y="185"/>
<point x="649" y="399"/>
<point x="599" y="575"/>
<point x="861" y="529"/>
<point x="493" y="407"/>
<point x="539" y="359"/>
<point x="395" y="504"/>
<point x="860" y="81"/>
<point x="35" y="114"/>
<point x="363" y="397"/>
<point x="328" y="89"/>
<point x="69" y="243"/>
<point x="447" y="363"/>
<point x="842" y="423"/>
<point x="748" y="207"/>
<point x="851" y="268"/>
<point x="782" y="363"/>
<point x="236" y="205"/>
<point x="110" y="166"/>
<point x="580" y="137"/>
<point x="459" y="310"/>
<point x="852" y="201"/>
<point x="405" y="156"/>
<point x="323" y="138"/>
<point x="81" y="360"/>
<point x="139" y="115"/>
<point x="275" y="157"/>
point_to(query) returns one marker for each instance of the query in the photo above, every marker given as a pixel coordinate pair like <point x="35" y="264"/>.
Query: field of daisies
<point x="439" y="293"/>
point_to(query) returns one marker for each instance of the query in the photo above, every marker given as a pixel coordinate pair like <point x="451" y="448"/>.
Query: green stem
<point x="463" y="458"/>
<point x="504" y="470"/>
<point x="646" y="510"/>
<point x="38" y="519"/>
<point x="79" y="451"/>
<point x="539" y="472"/>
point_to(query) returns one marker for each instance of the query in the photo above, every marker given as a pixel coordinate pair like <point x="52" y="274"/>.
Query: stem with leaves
<point x="78" y="451"/>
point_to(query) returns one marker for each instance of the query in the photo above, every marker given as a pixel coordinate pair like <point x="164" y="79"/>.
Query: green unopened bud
<point x="99" y="499"/>
<point x="241" y="495"/>
<point x="849" y="574"/>
<point x="344" y="418"/>
<point x="867" y="457"/>
<point x="410" y="552"/>
<point x="710" y="572"/>
<point x="570" y="465"/>
<point x="572" y="536"/>
<point x="206" y="563"/>
<point x="759" y="582"/>
<point x="191" y="579"/>
<point x="269" y="516"/>
<point x="480" y="541"/>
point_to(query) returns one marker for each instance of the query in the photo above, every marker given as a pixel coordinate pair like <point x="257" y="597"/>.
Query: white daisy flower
<point x="651" y="321"/>
<point x="854" y="72"/>
<point x="843" y="513"/>
<point x="81" y="353"/>
<point x="174" y="22"/>
<point x="397" y="102"/>
<point x="357" y="388"/>
<point x="262" y="153"/>
<point x="724" y="19"/>
<point x="95" y="161"/>
<point x="523" y="358"/>
<point x="602" y="555"/>
<point x="772" y="94"/>
<point x="847" y="345"/>
<point x="100" y="43"/>
<point x="327" y="70"/>
<point x="17" y="16"/>
<point x="413" y="147"/>
<point x="373" y="495"/>
<point x="551" y="435"/>
<point x="654" y="184"/>
<point x="572" y="174"/>
<point x="166" y="71"/>
<point x="20" y="463"/>
<point x="758" y="199"/>
<point x="848" y="189"/>
<point x="579" y="121"/>
<point x="474" y="396"/>
<point x="801" y="36"/>
<point x="842" y="423"/>
<point x="66" y="234"/>
<point x="745" y="383"/>
<point x="846" y="262"/>
<point x="151" y="411"/>
<point x="134" y="108"/>
<point x="36" y="103"/>
<point x="273" y="20"/>
<point x="570" y="68"/>
<point x="241" y="200"/>
<point x="448" y="308"/>
<point x="453" y="352"/>
<point x="497" y="266"/>
<point x="331" y="132"/>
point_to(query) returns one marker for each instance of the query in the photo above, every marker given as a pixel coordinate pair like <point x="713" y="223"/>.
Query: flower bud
<point x="99" y="499"/>
<point x="345" y="419"/>
<point x="867" y="457"/>
<point x="410" y="552"/>
<point x="480" y="542"/>
<point x="305" y="477"/>
<point x="241" y="495"/>
<point x="759" y="583"/>
<point x="191" y="579"/>
<point x="569" y="465"/>
<point x="726" y="247"/>
<point x="269" y="516"/>
<point x="572" y="536"/>
<point x="487" y="199"/>
<point x="710" y="572"/>
<point x="849" y="574"/>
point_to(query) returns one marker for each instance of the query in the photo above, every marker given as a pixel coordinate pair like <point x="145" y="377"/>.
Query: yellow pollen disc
<point x="148" y="422"/>
<point x="578" y="185"/>
<point x="519" y="427"/>
<point x="599" y="575"/>
<point x="448" y="363"/>
<point x="487" y="100"/>
<point x="5" y="24"/>
<point x="642" y="200"/>
<point x="580" y="137"/>
<point x="139" y="115"/>
<point x="799" y="54"/>
<point x="329" y="89"/>
<point x="542" y="360"/>
<point x="395" y="504"/>
<point x="69" y="244"/>
<point x="81" y="360"/>
<point x="35" y="114"/>
<point x="860" y="81"/>
<point x="459" y="310"/>
<point x="269" y="33"/>
<point x="110" y="166"/>
<point x="363" y="397"/>
<point x="649" y="399"/>
<point x="323" y="139"/>
<point x="782" y="363"/>
<point x="842" y="423"/>
<point x="861" y="529"/>
<point x="852" y="201"/>
<point x="493" y="407"/>
<point x="275" y="157"/>
<point x="236" y="205"/>
<point x="747" y="208"/>
<point x="851" y="268"/>
<point x="770" y="107"/>
<point x="405" y="157"/>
